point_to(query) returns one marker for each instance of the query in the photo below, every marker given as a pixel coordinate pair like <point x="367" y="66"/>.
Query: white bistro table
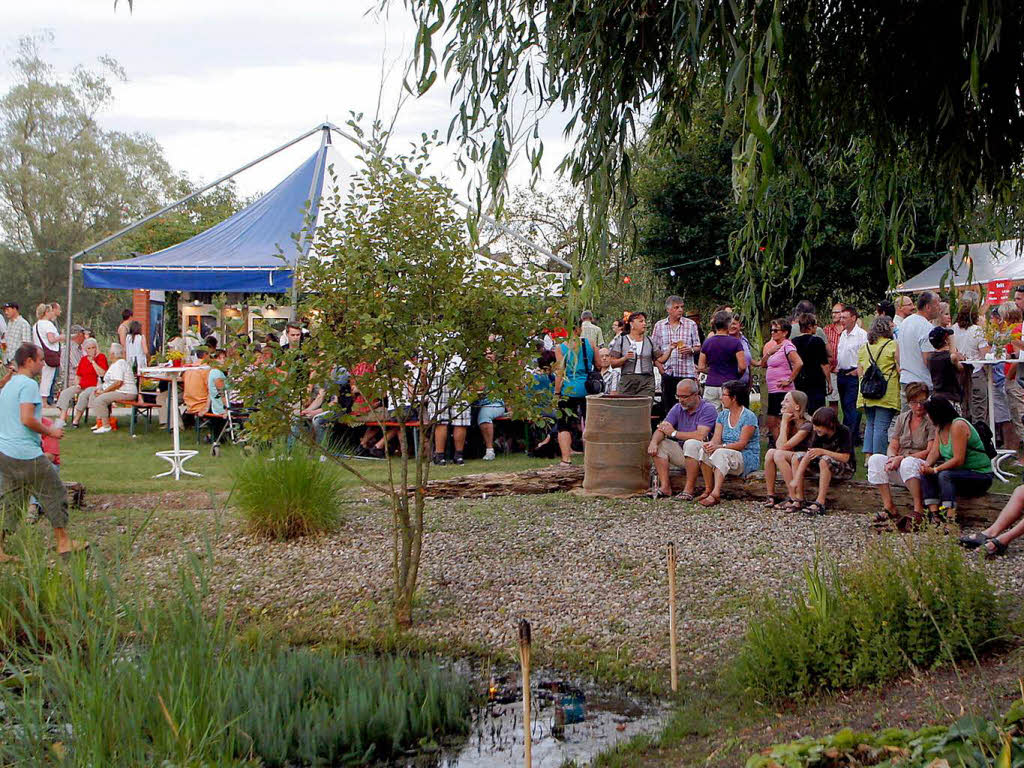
<point x="177" y="457"/>
<point x="1002" y="454"/>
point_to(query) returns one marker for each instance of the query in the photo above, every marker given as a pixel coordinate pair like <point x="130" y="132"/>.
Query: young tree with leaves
<point x="395" y="284"/>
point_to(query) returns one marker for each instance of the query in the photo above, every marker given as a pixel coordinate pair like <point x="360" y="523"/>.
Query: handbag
<point x="50" y="356"/>
<point x="594" y="385"/>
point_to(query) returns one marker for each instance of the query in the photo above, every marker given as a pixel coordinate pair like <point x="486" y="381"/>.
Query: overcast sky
<point x="220" y="82"/>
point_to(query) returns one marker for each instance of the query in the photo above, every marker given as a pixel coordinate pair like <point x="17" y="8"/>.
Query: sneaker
<point x="102" y="430"/>
<point x="489" y="454"/>
<point x="438" y="459"/>
<point x="458" y="459"/>
<point x="377" y="453"/>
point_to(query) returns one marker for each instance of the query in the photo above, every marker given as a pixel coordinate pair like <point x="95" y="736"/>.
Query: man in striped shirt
<point x="18" y="330"/>
<point x="676" y="344"/>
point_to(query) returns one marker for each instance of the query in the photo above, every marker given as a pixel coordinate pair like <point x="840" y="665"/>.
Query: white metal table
<point x="176" y="457"/>
<point x="1002" y="454"/>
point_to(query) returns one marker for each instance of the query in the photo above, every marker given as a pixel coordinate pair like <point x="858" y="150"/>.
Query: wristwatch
<point x="673" y="434"/>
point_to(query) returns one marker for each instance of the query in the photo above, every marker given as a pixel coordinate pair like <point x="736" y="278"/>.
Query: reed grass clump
<point x="287" y="495"/>
<point x="902" y="607"/>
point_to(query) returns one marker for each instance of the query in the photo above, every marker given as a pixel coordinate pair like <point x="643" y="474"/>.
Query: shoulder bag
<point x="50" y="357"/>
<point x="594" y="385"/>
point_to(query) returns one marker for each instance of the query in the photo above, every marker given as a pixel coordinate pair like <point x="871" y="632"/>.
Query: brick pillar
<point x="140" y="309"/>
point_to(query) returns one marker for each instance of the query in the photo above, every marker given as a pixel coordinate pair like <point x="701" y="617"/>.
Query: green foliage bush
<point x="102" y="677"/>
<point x="899" y="608"/>
<point x="285" y="496"/>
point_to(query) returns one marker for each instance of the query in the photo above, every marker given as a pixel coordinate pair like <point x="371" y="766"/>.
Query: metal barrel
<point x="616" y="436"/>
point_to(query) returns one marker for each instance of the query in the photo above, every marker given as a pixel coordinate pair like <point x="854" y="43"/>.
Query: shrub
<point x="287" y="496"/>
<point x="895" y="610"/>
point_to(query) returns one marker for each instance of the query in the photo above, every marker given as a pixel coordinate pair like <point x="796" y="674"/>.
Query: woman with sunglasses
<point x="782" y="364"/>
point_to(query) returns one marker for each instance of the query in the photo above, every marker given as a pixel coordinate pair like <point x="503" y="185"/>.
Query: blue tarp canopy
<point x="253" y="251"/>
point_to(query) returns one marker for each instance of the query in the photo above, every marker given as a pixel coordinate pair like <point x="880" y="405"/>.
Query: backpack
<point x="873" y="383"/>
<point x="985" y="433"/>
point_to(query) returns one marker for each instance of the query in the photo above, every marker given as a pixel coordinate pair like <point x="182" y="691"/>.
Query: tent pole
<point x="139" y="222"/>
<point x="325" y="139"/>
<point x="497" y="225"/>
<point x="65" y="359"/>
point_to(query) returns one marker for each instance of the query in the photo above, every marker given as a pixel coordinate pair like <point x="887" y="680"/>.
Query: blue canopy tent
<point x="253" y="251"/>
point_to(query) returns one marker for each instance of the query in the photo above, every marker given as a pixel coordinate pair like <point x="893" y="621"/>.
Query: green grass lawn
<point x="118" y="463"/>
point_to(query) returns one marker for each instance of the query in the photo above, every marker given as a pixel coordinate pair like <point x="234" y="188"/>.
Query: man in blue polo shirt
<point x="691" y="418"/>
<point x="24" y="470"/>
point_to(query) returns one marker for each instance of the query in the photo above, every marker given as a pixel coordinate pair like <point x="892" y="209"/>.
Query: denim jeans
<point x="946" y="485"/>
<point x="876" y="428"/>
<point x="848" y="387"/>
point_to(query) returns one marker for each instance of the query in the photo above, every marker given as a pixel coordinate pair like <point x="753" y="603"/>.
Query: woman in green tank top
<point x="965" y="468"/>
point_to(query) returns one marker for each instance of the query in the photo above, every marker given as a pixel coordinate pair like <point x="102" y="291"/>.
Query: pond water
<point x="570" y="721"/>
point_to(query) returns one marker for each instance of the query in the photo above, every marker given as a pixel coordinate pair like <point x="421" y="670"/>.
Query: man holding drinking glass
<point x="675" y="341"/>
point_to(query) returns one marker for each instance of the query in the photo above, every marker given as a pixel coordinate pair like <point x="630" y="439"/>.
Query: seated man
<point x="691" y="418"/>
<point x="734" y="449"/>
<point x="609" y="375"/>
<point x="197" y="389"/>
<point x="910" y="440"/>
<point x="1009" y="525"/>
<point x="830" y="457"/>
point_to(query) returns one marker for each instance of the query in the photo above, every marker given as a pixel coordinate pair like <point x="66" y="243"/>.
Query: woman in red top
<point x="91" y="368"/>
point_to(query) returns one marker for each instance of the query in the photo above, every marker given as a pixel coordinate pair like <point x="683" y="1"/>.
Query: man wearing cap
<point x="18" y="330"/>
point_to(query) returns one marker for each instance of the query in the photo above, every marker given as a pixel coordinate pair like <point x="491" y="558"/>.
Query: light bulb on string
<point x="626" y="280"/>
<point x="672" y="272"/>
<point x="718" y="262"/>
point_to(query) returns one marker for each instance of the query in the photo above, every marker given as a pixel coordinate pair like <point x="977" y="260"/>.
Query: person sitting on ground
<point x="1008" y="525"/>
<point x="795" y="432"/>
<point x="965" y="469"/>
<point x="91" y="368"/>
<point x="945" y="367"/>
<point x="782" y="365"/>
<point x="830" y="457"/>
<point x="814" y="379"/>
<point x="722" y="357"/>
<point x="912" y="438"/>
<point x="691" y="418"/>
<point x="735" y="448"/>
<point x="633" y="353"/>
<point x="609" y="374"/>
<point x="118" y="384"/>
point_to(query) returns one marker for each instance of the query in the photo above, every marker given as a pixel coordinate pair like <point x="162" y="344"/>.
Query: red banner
<point x="999" y="291"/>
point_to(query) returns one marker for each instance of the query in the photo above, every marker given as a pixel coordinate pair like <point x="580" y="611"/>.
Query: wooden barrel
<point x="617" y="433"/>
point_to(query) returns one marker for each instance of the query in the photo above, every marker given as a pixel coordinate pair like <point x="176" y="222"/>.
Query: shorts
<point x="577" y="410"/>
<point x="775" y="403"/>
<point x="488" y="413"/>
<point x="671" y="449"/>
<point x="725" y="460"/>
<point x="443" y="411"/>
<point x="841" y="470"/>
<point x="713" y="395"/>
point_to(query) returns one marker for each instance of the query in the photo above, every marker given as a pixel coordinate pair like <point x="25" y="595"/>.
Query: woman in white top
<point x="46" y="336"/>
<point x="136" y="350"/>
<point x="118" y="384"/>
<point x="970" y="343"/>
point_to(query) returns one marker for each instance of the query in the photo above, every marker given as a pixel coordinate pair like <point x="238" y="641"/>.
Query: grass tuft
<point x="898" y="609"/>
<point x="285" y="496"/>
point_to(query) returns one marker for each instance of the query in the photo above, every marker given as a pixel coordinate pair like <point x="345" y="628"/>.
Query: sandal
<point x="814" y="509"/>
<point x="709" y="501"/>
<point x="910" y="523"/>
<point x="684" y="496"/>
<point x="975" y="540"/>
<point x="884" y="517"/>
<point x="790" y="505"/>
<point x="770" y="502"/>
<point x="998" y="551"/>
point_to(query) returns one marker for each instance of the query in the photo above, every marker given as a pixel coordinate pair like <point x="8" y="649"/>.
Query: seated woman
<point x="1008" y="526"/>
<point x="794" y="437"/>
<point x="965" y="469"/>
<point x="91" y="368"/>
<point x="912" y="436"/>
<point x="118" y="384"/>
<point x="734" y="449"/>
<point x="830" y="457"/>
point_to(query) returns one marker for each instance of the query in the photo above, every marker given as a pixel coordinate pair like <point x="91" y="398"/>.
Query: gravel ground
<point x="588" y="573"/>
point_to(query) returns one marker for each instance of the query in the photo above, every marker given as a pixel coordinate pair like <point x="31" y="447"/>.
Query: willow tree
<point x="906" y="94"/>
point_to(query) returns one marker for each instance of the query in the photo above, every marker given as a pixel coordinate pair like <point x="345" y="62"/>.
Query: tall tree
<point x="65" y="182"/>
<point x="905" y="93"/>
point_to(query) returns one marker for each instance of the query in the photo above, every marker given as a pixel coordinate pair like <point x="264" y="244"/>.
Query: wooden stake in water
<point x="673" y="660"/>
<point x="524" y="663"/>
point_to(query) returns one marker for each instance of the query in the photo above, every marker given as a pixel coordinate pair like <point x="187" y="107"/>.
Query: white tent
<point x="975" y="264"/>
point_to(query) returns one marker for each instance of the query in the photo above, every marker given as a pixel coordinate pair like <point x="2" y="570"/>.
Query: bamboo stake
<point x="673" y="659"/>
<point x="524" y="663"/>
